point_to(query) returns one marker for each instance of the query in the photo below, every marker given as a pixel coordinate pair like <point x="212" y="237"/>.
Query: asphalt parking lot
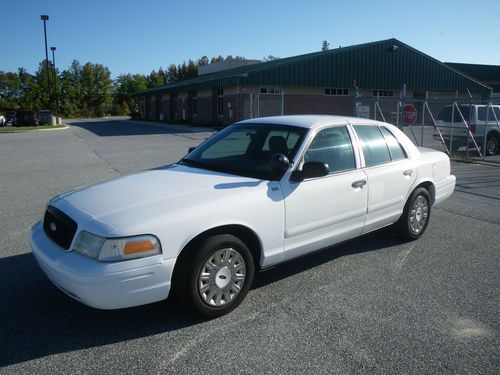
<point x="372" y="305"/>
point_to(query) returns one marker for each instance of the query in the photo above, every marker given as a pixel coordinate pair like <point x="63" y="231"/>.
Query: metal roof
<point x="386" y="64"/>
<point x="484" y="73"/>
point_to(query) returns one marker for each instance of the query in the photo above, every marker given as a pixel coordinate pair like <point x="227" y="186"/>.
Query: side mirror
<point x="279" y="163"/>
<point x="191" y="149"/>
<point x="311" y="169"/>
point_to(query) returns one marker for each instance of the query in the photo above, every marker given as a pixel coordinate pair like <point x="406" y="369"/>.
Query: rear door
<point x="390" y="174"/>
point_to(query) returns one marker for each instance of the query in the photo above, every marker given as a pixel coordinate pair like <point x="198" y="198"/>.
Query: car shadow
<point x="38" y="320"/>
<point x="381" y="239"/>
<point x="121" y="127"/>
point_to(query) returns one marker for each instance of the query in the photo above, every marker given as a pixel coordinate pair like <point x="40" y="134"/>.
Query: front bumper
<point x="98" y="284"/>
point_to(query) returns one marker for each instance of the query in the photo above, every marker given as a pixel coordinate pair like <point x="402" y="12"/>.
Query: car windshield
<point x="246" y="149"/>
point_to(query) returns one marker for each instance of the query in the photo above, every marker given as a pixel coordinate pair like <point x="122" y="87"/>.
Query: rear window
<point x="446" y="113"/>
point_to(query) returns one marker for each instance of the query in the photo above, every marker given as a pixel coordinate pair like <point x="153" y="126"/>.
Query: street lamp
<point x="45" y="18"/>
<point x="53" y="49"/>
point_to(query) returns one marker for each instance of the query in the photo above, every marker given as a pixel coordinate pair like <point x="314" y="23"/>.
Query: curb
<point x="473" y="161"/>
<point x="34" y="130"/>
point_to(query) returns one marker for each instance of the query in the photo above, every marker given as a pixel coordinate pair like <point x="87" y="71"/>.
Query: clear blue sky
<point x="139" y="36"/>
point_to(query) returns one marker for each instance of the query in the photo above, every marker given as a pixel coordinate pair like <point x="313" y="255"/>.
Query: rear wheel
<point x="415" y="218"/>
<point x="491" y="145"/>
<point x="216" y="278"/>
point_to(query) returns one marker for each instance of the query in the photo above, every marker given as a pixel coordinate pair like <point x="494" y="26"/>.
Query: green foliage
<point x="123" y="87"/>
<point x="88" y="90"/>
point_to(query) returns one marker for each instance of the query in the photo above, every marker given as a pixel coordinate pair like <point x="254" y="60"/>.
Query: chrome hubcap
<point x="419" y="214"/>
<point x="222" y="277"/>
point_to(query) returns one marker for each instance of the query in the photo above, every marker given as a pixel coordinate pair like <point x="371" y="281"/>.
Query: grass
<point x="23" y="129"/>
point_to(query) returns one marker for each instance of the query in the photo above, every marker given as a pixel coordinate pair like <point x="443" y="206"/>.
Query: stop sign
<point x="409" y="114"/>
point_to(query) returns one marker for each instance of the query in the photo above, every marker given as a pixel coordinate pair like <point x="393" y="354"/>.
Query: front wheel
<point x="217" y="277"/>
<point x="415" y="218"/>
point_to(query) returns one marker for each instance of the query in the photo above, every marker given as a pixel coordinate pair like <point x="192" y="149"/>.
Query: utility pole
<point x="53" y="49"/>
<point x="45" y="18"/>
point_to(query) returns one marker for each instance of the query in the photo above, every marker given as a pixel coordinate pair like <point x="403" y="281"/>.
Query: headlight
<point x="116" y="249"/>
<point x="88" y="244"/>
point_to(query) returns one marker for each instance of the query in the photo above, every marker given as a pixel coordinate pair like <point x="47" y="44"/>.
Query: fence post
<point x="485" y="126"/>
<point x="423" y="122"/>
<point x="452" y="123"/>
<point x="470" y="119"/>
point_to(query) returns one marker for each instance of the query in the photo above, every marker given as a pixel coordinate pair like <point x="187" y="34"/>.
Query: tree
<point x="216" y="59"/>
<point x="10" y="92"/>
<point x="123" y="87"/>
<point x="172" y="74"/>
<point x="157" y="78"/>
<point x="43" y="82"/>
<point x="203" y="61"/>
<point x="29" y="91"/>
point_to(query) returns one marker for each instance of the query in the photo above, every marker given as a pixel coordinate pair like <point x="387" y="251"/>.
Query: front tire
<point x="214" y="280"/>
<point x="415" y="218"/>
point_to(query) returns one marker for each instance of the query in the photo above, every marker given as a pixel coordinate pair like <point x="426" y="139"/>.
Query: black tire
<point x="188" y="285"/>
<point x="416" y="215"/>
<point x="491" y="145"/>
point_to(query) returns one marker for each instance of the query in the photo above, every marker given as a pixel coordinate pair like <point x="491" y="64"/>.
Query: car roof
<point x="309" y="121"/>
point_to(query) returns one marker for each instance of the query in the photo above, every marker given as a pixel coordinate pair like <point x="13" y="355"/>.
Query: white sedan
<point x="258" y="193"/>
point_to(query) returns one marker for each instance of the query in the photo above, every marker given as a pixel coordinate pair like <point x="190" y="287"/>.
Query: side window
<point x="333" y="147"/>
<point x="484" y="114"/>
<point x="397" y="152"/>
<point x="373" y="144"/>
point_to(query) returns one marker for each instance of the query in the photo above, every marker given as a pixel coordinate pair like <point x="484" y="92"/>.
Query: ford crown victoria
<point x="258" y="193"/>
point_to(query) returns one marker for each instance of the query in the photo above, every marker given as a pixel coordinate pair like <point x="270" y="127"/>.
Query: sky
<point x="139" y="36"/>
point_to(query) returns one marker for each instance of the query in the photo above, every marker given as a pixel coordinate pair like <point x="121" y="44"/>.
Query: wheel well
<point x="429" y="186"/>
<point x="245" y="234"/>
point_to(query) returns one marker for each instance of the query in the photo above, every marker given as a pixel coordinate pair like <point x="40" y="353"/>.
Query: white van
<point x="475" y="115"/>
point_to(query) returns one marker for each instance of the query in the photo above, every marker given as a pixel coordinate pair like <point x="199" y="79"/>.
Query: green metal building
<point x="327" y="82"/>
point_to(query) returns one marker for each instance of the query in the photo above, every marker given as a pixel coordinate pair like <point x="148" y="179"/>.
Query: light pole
<point x="53" y="49"/>
<point x="45" y="18"/>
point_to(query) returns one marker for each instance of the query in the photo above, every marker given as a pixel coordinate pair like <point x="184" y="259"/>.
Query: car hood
<point x="128" y="201"/>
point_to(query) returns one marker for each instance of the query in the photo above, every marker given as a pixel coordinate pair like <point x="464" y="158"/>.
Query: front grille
<point x="59" y="227"/>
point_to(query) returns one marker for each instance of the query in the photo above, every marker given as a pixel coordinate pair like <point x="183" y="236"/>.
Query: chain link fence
<point x="461" y="127"/>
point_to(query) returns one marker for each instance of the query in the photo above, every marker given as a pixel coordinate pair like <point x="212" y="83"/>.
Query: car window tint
<point x="289" y="138"/>
<point x="446" y="114"/>
<point x="397" y="152"/>
<point x="484" y="114"/>
<point x="374" y="145"/>
<point x="234" y="144"/>
<point x="333" y="147"/>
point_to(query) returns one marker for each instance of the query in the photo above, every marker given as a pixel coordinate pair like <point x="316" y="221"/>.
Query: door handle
<point x="358" y="184"/>
<point x="408" y="172"/>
